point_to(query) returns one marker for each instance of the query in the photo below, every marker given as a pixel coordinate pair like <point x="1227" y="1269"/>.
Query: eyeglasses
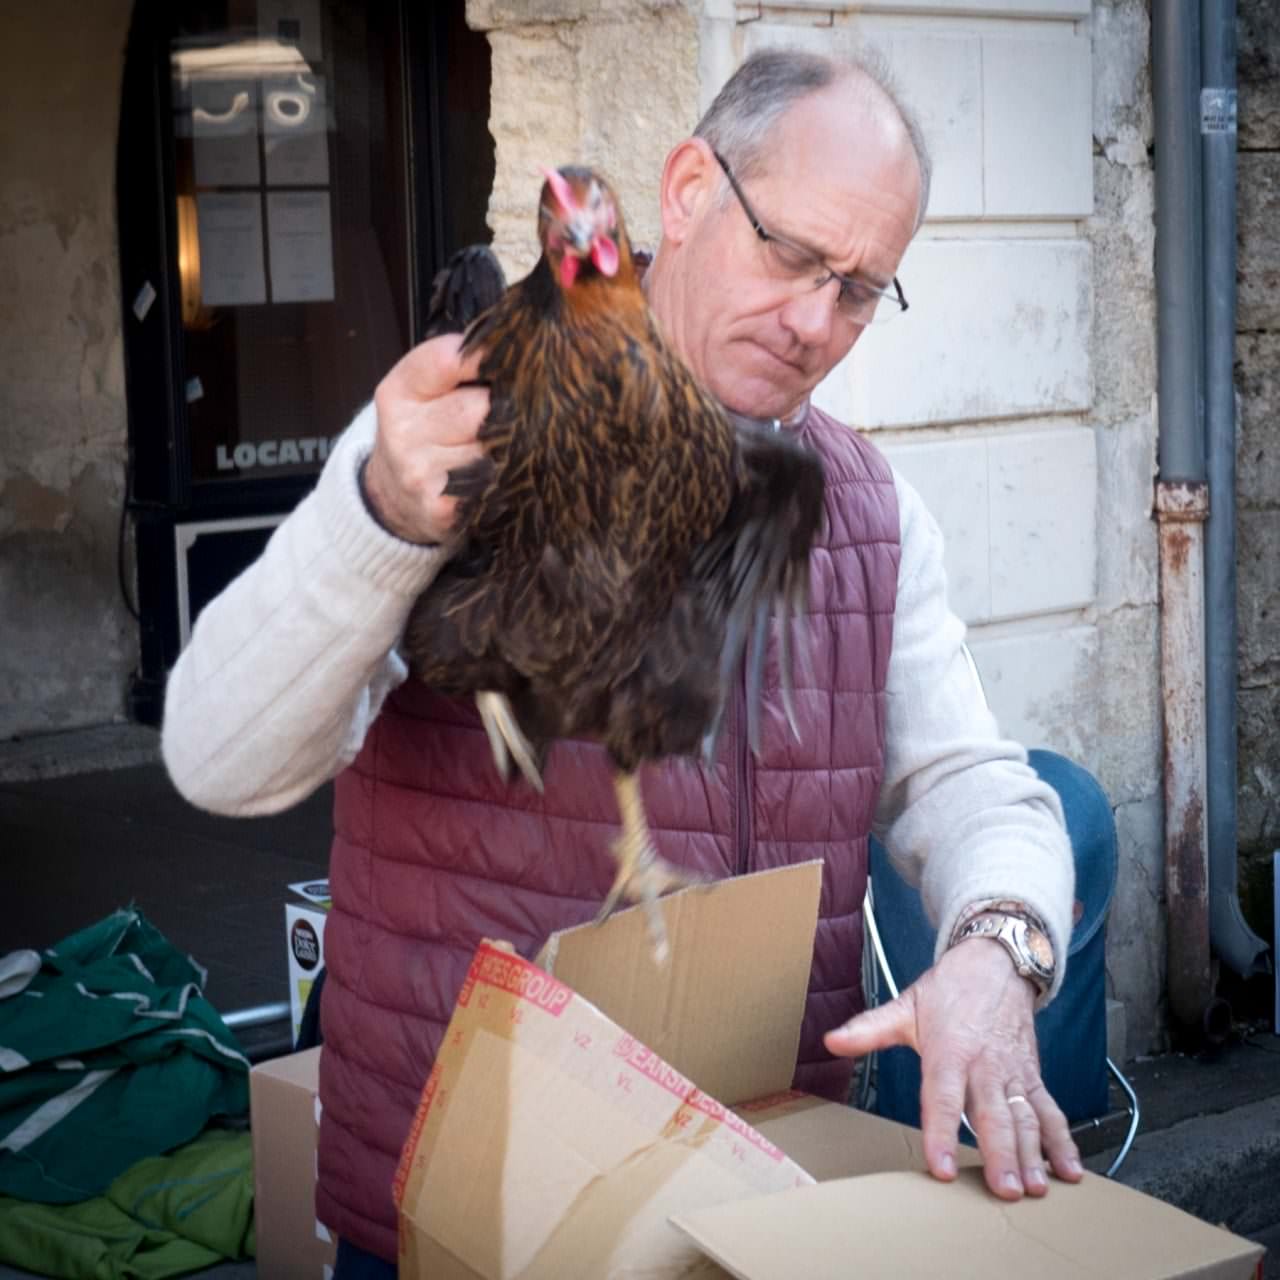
<point x="858" y="301"/>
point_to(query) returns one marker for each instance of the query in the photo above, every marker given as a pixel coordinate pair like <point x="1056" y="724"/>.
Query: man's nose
<point x="810" y="314"/>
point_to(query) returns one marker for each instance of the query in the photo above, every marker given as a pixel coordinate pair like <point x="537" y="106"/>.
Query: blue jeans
<point x="1072" y="1031"/>
<point x="356" y="1264"/>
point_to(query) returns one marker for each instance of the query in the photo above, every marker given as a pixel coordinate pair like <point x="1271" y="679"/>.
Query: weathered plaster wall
<point x="1258" y="452"/>
<point x="66" y="641"/>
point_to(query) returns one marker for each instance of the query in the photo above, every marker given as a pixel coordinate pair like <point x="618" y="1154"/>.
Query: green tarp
<point x="109" y="1053"/>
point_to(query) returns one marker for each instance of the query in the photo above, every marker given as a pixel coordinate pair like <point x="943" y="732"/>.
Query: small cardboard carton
<point x="304" y="936"/>
<point x="285" y="1119"/>
<point x="577" y="1122"/>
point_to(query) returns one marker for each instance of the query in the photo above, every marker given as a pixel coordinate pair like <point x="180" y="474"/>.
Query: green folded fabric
<point x="203" y="1191"/>
<point x="93" y="1240"/>
<point x="109" y="1054"/>
<point x="165" y="1216"/>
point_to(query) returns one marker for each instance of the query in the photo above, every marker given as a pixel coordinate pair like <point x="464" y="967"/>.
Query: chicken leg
<point x="643" y="876"/>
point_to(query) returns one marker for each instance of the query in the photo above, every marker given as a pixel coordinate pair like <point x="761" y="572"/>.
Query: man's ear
<point x="688" y="183"/>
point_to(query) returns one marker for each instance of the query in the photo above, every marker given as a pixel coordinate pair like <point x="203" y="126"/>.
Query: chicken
<point x="619" y="539"/>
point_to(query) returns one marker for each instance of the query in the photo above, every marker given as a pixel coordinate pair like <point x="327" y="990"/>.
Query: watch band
<point x="1027" y="944"/>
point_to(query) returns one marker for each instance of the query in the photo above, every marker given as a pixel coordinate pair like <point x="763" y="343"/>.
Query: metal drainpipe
<point x="1182" y="500"/>
<point x="1233" y="941"/>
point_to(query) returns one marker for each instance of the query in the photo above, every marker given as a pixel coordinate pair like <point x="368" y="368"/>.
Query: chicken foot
<point x="643" y="876"/>
<point x="506" y="738"/>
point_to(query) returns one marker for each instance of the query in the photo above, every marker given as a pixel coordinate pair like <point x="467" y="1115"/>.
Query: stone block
<point x="965" y="8"/>
<point x="1258" y="74"/>
<point x="951" y="477"/>
<point x="1258" y="811"/>
<point x="997" y="328"/>
<point x="1137" y="927"/>
<point x="616" y="92"/>
<point x="1258" y="594"/>
<point x="638" y="89"/>
<point x="1127" y="753"/>
<point x="938" y="75"/>
<point x="1258" y="267"/>
<point x="1258" y="438"/>
<point x="1121" y="37"/>
<point x="1010" y="506"/>
<point x="1122" y="232"/>
<point x="1117" y="1048"/>
<point x="1043" y="490"/>
<point x="1128" y="546"/>
<point x="1037" y="101"/>
<point x="1041" y="685"/>
<point x="537" y="124"/>
<point x="490" y="15"/>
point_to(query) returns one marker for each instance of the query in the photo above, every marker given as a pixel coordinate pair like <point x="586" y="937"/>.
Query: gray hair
<point x="741" y="119"/>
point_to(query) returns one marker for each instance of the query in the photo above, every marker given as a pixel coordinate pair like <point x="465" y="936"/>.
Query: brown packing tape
<point x="491" y="1006"/>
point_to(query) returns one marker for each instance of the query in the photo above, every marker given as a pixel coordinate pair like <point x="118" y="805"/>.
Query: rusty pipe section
<point x="1181" y="510"/>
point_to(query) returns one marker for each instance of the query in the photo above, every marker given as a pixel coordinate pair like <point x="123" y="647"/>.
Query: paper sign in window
<point x="224" y="132"/>
<point x="301" y="244"/>
<point x="231" y="267"/>
<point x="295" y="131"/>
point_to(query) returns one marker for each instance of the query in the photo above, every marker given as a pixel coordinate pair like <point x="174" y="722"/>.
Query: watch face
<point x="1040" y="950"/>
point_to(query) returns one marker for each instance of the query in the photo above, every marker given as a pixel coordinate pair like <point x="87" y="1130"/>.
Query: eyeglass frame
<point x="850" y="283"/>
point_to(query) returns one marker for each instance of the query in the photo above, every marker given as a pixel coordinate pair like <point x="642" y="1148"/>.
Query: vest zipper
<point x="744" y="772"/>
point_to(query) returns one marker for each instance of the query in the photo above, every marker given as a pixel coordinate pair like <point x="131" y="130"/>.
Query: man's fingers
<point x="1003" y="1138"/>
<point x="1026" y="1125"/>
<point x="941" y="1102"/>
<point x="431" y="369"/>
<point x="1055" y="1135"/>
<point x="881" y="1028"/>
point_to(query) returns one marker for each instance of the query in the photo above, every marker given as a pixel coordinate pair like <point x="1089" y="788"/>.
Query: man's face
<point x="841" y="181"/>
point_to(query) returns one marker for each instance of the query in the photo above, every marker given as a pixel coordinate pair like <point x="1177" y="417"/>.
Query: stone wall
<point x="1258" y="451"/>
<point x="66" y="642"/>
<point x="608" y="83"/>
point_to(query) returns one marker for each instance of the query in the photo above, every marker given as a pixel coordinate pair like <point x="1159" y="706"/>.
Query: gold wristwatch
<point x="1023" y="938"/>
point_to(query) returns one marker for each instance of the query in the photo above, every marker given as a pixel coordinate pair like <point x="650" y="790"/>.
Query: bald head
<point x="742" y="124"/>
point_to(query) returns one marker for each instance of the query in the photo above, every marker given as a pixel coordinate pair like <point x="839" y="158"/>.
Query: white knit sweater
<point x="288" y="667"/>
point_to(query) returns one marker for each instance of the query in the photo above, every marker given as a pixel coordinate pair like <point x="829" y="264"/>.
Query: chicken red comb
<point x="561" y="189"/>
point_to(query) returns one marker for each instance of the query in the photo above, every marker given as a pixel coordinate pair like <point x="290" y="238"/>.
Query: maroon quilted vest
<point x="433" y="852"/>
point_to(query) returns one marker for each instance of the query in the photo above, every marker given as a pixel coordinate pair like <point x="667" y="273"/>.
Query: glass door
<point x="292" y="212"/>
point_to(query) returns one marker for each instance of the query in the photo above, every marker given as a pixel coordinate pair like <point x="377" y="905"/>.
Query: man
<point x="793" y="203"/>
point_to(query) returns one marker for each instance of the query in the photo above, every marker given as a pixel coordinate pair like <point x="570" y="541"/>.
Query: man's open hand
<point x="970" y="1020"/>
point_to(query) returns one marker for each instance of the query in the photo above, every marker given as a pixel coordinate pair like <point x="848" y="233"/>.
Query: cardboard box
<point x="284" y="1106"/>
<point x="553" y="1139"/>
<point x="304" y="936"/>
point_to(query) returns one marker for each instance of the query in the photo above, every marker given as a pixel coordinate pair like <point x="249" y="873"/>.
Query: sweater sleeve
<point x="288" y="667"/>
<point x="961" y="812"/>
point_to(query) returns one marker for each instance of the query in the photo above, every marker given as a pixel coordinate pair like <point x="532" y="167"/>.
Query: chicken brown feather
<point x="621" y="537"/>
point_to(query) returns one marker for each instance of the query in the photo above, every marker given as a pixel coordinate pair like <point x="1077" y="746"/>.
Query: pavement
<point x="89" y="822"/>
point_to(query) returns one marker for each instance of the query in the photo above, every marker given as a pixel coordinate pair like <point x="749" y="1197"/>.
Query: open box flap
<point x="831" y="1140"/>
<point x="726" y="1008"/>
<point x="909" y="1224"/>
